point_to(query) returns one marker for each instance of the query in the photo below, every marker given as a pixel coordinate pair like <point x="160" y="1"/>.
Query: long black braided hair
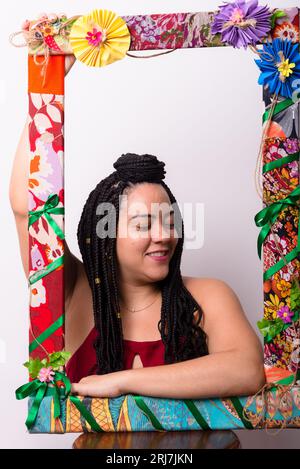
<point x="181" y="334"/>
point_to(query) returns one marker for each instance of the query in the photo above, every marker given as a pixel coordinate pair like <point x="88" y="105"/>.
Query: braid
<point x="182" y="336"/>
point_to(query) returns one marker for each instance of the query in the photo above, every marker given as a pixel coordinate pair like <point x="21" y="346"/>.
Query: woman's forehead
<point x="146" y="199"/>
<point x="148" y="193"/>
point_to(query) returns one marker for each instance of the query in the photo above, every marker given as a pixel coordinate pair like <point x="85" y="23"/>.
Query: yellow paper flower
<point x="99" y="38"/>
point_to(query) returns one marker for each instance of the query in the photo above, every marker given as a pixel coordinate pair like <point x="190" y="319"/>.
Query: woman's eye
<point x="140" y="227"/>
<point x="170" y="225"/>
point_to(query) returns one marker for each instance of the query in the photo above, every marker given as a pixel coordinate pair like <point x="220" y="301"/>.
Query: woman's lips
<point x="159" y="258"/>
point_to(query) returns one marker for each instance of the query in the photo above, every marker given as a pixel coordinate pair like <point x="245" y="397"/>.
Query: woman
<point x="133" y="323"/>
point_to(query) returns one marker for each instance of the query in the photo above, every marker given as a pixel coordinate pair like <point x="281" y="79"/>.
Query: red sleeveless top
<point x="84" y="362"/>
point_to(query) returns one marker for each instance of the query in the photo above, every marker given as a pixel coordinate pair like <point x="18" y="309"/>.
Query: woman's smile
<point x="159" y="256"/>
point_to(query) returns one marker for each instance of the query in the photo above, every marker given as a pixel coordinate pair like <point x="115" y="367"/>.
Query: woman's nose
<point x="160" y="232"/>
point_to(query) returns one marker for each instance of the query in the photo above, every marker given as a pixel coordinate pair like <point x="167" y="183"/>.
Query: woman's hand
<point x="69" y="62"/>
<point x="108" y="385"/>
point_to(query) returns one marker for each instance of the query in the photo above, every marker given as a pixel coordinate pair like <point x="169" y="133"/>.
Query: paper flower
<point x="285" y="314"/>
<point x="280" y="67"/>
<point x="99" y="38"/>
<point x="47" y="29"/>
<point x="46" y="374"/>
<point x="95" y="37"/>
<point x="242" y="23"/>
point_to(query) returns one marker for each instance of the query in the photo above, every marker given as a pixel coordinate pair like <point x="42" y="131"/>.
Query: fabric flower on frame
<point x="287" y="31"/>
<point x="99" y="38"/>
<point x="242" y="23"/>
<point x="285" y="314"/>
<point x="46" y="375"/>
<point x="280" y="67"/>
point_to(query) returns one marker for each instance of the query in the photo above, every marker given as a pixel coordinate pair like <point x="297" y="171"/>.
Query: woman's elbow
<point x="255" y="378"/>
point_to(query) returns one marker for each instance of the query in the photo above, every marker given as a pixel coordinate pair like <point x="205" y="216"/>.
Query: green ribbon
<point x="39" y="389"/>
<point x="86" y="414"/>
<point x="239" y="409"/>
<point x="47" y="332"/>
<point x="45" y="271"/>
<point x="280" y="162"/>
<point x="143" y="406"/>
<point x="266" y="217"/>
<point x="197" y="415"/>
<point x="50" y="206"/>
<point x="287" y="381"/>
<point x="156" y="423"/>
<point x="278" y="108"/>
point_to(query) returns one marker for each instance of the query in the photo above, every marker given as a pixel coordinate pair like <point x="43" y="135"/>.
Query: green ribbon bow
<point x="50" y="206"/>
<point x="266" y="217"/>
<point x="39" y="389"/>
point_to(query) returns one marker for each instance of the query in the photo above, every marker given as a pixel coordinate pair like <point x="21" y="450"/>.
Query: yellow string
<point x="265" y="391"/>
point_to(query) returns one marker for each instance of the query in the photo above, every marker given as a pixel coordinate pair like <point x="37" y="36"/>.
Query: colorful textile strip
<point x="239" y="408"/>
<point x="282" y="106"/>
<point x="269" y="214"/>
<point x="149" y="414"/>
<point x="47" y="270"/>
<point x="196" y="414"/>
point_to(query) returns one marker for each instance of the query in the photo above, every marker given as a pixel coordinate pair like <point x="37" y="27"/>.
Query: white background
<point x="198" y="110"/>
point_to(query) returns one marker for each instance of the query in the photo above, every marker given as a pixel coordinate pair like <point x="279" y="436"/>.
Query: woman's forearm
<point x="222" y="374"/>
<point x="18" y="187"/>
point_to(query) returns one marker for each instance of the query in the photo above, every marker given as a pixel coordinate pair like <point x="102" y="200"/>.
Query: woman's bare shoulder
<point x="224" y="319"/>
<point x="200" y="281"/>
<point x="204" y="289"/>
<point x="197" y="286"/>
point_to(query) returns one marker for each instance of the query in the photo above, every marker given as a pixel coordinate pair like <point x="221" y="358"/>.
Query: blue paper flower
<point x="280" y="67"/>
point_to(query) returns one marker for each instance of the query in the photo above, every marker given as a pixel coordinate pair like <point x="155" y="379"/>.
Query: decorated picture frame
<point x="99" y="39"/>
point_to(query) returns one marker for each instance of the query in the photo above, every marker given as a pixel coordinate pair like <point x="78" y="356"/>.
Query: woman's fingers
<point x="69" y="62"/>
<point x="75" y="388"/>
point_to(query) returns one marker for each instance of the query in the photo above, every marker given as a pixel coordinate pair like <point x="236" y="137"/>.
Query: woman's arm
<point x="222" y="374"/>
<point x="18" y="194"/>
<point x="234" y="366"/>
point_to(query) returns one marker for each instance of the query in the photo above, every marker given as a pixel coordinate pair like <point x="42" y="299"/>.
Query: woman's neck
<point x="137" y="296"/>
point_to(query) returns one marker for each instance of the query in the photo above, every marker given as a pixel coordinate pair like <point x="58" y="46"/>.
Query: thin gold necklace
<point x="133" y="310"/>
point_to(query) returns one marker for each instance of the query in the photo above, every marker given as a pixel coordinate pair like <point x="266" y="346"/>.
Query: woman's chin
<point x="158" y="273"/>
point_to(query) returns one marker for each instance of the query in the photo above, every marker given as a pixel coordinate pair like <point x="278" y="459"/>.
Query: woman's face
<point x="146" y="225"/>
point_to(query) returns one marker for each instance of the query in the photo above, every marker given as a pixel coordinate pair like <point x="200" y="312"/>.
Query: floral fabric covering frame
<point x="51" y="407"/>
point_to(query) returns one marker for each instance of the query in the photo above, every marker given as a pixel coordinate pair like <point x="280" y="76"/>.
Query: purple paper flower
<point x="242" y="23"/>
<point x="285" y="314"/>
